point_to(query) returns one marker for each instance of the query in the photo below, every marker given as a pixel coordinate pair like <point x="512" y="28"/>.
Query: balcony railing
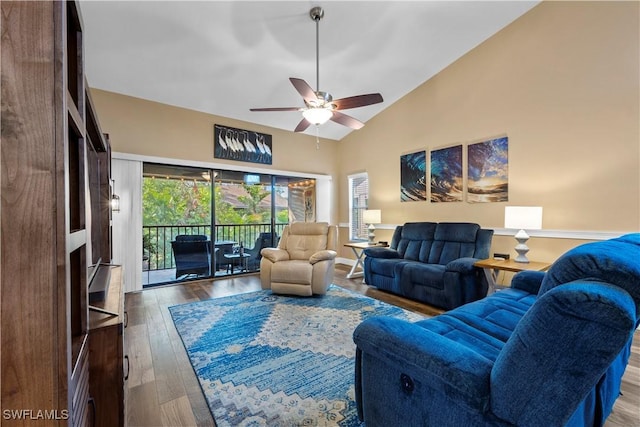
<point x="157" y="239"/>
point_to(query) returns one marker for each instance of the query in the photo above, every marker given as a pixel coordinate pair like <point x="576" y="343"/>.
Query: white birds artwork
<point x="237" y="144"/>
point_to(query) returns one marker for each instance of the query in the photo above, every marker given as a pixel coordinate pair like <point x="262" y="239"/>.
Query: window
<point x="358" y="201"/>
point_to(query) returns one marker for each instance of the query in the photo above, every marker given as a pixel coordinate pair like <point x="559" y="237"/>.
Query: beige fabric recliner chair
<point x="304" y="261"/>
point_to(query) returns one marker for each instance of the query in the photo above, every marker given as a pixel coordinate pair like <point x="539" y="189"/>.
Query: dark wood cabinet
<point x="51" y="147"/>
<point x="108" y="366"/>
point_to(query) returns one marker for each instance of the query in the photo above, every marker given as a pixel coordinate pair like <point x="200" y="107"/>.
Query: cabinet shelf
<point x="50" y="238"/>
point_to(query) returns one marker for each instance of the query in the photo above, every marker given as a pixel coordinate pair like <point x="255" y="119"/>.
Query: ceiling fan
<point x="320" y="106"/>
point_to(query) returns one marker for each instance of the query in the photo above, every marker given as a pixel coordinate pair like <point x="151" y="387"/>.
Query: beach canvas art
<point x="446" y="174"/>
<point x="488" y="171"/>
<point x="413" y="176"/>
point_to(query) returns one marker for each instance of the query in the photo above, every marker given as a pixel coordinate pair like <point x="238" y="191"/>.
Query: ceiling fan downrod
<point x="316" y="14"/>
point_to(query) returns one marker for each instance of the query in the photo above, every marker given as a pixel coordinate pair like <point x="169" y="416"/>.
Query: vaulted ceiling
<point x="225" y="57"/>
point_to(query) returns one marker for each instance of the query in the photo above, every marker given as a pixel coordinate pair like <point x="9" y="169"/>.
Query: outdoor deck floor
<point x="168" y="275"/>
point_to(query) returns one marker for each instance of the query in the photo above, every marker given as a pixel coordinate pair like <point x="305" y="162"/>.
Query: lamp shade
<point x="372" y="216"/>
<point x="523" y="217"/>
<point x="318" y="115"/>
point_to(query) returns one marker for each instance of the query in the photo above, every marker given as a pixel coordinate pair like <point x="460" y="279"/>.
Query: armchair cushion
<point x="292" y="271"/>
<point x="462" y="265"/>
<point x="528" y="281"/>
<point x="420" y="274"/>
<point x="304" y="239"/>
<point x="385" y="267"/>
<point x="275" y="254"/>
<point x="323" y="255"/>
<point x="304" y="261"/>
<point x="382" y="253"/>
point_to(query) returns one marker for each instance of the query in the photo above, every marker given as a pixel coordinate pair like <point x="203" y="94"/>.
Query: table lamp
<point x="371" y="217"/>
<point x="522" y="217"/>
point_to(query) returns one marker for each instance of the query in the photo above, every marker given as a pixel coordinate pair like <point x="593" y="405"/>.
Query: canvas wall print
<point x="488" y="171"/>
<point x="446" y="174"/>
<point x="242" y="145"/>
<point x="413" y="176"/>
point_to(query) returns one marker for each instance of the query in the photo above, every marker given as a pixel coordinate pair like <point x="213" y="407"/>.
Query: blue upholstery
<point x="431" y="262"/>
<point x="549" y="351"/>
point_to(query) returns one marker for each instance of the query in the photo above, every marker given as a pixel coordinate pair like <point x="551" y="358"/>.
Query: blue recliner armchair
<point x="432" y="263"/>
<point x="549" y="351"/>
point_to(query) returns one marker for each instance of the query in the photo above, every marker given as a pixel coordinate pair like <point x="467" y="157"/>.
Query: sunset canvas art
<point x="488" y="171"/>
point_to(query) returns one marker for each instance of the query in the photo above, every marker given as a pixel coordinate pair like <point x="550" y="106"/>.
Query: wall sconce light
<point x="372" y="216"/>
<point x="522" y="217"/>
<point x="115" y="203"/>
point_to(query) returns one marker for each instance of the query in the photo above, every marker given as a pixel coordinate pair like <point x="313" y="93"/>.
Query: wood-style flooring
<point x="162" y="389"/>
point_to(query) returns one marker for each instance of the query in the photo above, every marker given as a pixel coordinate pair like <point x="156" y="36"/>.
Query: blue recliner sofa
<point x="432" y="263"/>
<point x="549" y="351"/>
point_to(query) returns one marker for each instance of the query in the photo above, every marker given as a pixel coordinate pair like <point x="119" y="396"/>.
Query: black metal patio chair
<point x="191" y="254"/>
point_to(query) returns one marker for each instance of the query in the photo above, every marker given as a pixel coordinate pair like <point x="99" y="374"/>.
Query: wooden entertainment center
<point x="61" y="360"/>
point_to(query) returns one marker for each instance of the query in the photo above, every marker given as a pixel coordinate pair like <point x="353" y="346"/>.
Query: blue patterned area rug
<point x="272" y="360"/>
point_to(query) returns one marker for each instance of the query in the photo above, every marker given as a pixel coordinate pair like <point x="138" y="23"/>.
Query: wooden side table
<point x="492" y="267"/>
<point x="358" y="250"/>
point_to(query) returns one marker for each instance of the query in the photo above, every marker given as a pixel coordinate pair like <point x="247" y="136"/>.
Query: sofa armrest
<point x="567" y="339"/>
<point x="275" y="254"/>
<point x="528" y="281"/>
<point x="462" y="265"/>
<point x="461" y="373"/>
<point x="381" y="253"/>
<point x="324" y="255"/>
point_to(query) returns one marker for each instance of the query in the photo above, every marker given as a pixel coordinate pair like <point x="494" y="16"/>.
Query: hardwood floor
<point x="162" y="389"/>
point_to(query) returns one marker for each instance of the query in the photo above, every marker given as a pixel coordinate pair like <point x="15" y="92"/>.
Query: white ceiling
<point x="224" y="57"/>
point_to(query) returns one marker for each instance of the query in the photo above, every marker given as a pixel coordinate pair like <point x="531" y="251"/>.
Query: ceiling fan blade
<point x="303" y="89"/>
<point x="357" y="101"/>
<point x="345" y="120"/>
<point x="276" y="109"/>
<point x="302" y="126"/>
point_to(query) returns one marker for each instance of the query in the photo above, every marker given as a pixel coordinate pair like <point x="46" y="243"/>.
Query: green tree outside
<point x="173" y="202"/>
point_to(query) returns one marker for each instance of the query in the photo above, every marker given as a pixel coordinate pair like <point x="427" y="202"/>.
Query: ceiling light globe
<point x="317" y="116"/>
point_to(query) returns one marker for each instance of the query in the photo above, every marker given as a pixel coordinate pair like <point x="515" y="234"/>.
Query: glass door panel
<point x="242" y="220"/>
<point x="176" y="220"/>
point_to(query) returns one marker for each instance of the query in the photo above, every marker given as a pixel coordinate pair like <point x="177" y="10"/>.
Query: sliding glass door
<point x="202" y="223"/>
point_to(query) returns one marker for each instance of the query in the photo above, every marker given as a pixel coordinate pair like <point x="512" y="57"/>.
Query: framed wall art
<point x="241" y="145"/>
<point x="413" y="176"/>
<point x="446" y="174"/>
<point x="488" y="171"/>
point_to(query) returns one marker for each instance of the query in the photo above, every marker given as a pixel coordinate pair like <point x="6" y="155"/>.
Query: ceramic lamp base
<point x="521" y="248"/>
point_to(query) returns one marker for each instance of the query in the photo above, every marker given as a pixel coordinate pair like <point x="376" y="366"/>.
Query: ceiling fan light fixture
<point x="317" y="116"/>
<point x="320" y="106"/>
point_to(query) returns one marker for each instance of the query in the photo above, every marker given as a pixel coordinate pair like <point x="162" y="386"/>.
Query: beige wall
<point x="146" y="128"/>
<point x="562" y="82"/>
